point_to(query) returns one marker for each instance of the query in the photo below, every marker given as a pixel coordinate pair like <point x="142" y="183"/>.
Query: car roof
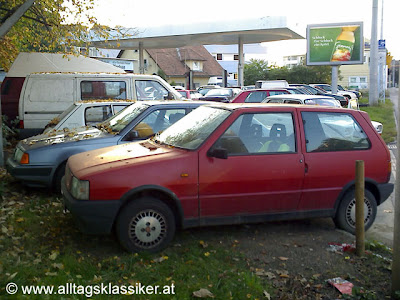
<point x="244" y="106"/>
<point x="104" y="101"/>
<point x="173" y="102"/>
<point x="300" y="96"/>
<point x="266" y="90"/>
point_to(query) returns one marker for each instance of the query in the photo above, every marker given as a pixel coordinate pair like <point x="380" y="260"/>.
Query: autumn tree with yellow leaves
<point x="48" y="26"/>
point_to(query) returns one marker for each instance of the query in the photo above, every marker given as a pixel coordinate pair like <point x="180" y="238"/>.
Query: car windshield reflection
<point x="190" y="132"/>
<point x="119" y="121"/>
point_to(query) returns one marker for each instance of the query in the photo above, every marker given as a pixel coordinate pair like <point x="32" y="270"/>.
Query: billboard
<point x="335" y="44"/>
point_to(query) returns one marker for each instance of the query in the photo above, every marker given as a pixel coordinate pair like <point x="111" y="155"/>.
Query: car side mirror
<point x="218" y="153"/>
<point x="131" y="135"/>
<point x="169" y="96"/>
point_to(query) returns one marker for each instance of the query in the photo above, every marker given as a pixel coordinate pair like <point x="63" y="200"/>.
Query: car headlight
<point x="79" y="188"/>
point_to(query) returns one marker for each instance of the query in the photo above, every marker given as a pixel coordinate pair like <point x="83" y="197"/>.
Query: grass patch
<point x="383" y="113"/>
<point x="41" y="246"/>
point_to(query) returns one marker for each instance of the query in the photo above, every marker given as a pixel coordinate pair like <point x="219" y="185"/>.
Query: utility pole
<point x="373" y="65"/>
<point x="396" y="229"/>
<point x="4" y="28"/>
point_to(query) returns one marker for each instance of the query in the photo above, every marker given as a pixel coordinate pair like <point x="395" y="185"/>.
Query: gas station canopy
<point x="265" y="29"/>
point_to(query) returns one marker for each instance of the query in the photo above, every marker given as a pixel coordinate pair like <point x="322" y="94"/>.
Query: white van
<point x="46" y="95"/>
<point x="270" y="84"/>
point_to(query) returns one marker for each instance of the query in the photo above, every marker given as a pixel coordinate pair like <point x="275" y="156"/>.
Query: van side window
<point x="261" y="133"/>
<point x="103" y="90"/>
<point x="333" y="132"/>
<point x="97" y="114"/>
<point x="150" y="90"/>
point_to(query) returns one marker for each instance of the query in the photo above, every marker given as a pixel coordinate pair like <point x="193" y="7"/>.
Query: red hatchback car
<point x="229" y="164"/>
<point x="257" y="95"/>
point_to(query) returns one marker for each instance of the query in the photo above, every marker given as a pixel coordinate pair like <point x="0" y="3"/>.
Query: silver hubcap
<point x="351" y="212"/>
<point x="148" y="229"/>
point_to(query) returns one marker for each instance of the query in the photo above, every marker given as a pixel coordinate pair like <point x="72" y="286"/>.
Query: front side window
<point x="333" y="132"/>
<point x="103" y="90"/>
<point x="260" y="133"/>
<point x="150" y="90"/>
<point x="157" y="121"/>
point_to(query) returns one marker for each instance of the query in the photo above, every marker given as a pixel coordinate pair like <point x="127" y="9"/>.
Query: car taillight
<point x="389" y="170"/>
<point x="21" y="124"/>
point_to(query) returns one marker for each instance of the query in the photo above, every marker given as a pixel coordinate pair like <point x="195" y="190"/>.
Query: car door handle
<point x="305" y="168"/>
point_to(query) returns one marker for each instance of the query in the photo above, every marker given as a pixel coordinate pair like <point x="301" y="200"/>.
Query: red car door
<point x="260" y="175"/>
<point x="333" y="141"/>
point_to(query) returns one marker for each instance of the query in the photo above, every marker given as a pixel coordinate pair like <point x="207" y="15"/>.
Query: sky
<point x="299" y="13"/>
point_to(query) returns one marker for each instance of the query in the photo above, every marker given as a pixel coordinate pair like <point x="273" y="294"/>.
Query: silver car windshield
<point x="119" y="121"/>
<point x="191" y="131"/>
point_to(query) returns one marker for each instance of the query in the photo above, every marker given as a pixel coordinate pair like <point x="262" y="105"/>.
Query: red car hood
<point x="97" y="160"/>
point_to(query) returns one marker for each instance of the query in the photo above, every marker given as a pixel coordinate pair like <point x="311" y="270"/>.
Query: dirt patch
<point x="296" y="258"/>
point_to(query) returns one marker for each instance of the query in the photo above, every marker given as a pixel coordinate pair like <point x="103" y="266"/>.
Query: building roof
<point x="34" y="62"/>
<point x="172" y="61"/>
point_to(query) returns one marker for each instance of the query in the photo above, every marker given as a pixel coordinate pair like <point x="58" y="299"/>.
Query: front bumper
<point x="385" y="190"/>
<point x="92" y="217"/>
<point x="35" y="176"/>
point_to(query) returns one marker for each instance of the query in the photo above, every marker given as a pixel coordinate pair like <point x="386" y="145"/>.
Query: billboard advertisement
<point x="335" y="44"/>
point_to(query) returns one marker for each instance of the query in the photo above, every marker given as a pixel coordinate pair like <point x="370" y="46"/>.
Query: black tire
<point x="145" y="224"/>
<point x="60" y="172"/>
<point x="345" y="215"/>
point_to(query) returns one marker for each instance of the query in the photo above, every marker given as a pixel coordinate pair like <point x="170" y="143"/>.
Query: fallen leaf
<point x="160" y="259"/>
<point x="283" y="258"/>
<point x="51" y="273"/>
<point x="53" y="255"/>
<point x="267" y="295"/>
<point x="12" y="276"/>
<point x="203" y="244"/>
<point x="19" y="220"/>
<point x="203" y="293"/>
<point x="59" y="266"/>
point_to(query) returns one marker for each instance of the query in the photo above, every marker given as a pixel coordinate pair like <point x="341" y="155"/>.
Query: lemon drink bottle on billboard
<point x="343" y="48"/>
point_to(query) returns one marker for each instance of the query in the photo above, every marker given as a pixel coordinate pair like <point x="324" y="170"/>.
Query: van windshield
<point x="119" y="121"/>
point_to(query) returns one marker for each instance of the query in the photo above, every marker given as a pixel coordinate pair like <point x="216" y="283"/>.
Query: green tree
<point x="259" y="70"/>
<point x="255" y="70"/>
<point x="48" y="26"/>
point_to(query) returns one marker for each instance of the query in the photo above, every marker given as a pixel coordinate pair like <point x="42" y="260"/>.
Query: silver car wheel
<point x="148" y="229"/>
<point x="351" y="212"/>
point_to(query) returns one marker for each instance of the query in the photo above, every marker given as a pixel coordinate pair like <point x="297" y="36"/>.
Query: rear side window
<point x="103" y="90"/>
<point x="97" y="114"/>
<point x="255" y="97"/>
<point x="272" y="93"/>
<point x="333" y="132"/>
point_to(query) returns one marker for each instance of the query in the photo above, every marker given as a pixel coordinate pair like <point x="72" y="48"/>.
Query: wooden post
<point x="360" y="234"/>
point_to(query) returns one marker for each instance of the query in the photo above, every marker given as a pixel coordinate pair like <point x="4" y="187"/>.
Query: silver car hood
<point x="62" y="136"/>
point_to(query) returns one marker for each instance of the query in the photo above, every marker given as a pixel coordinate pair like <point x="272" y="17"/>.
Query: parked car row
<point x="156" y="166"/>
